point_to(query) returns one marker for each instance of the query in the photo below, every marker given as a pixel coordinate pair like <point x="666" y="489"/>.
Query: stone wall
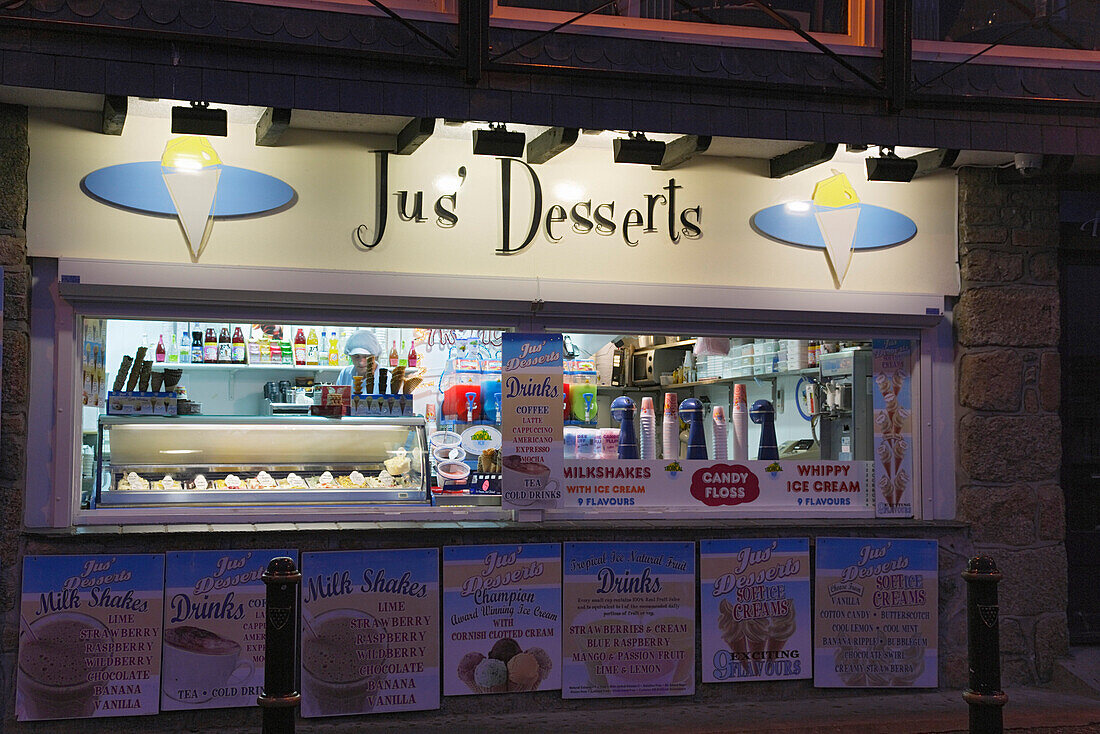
<point x="1009" y="434"/>
<point x="14" y="158"/>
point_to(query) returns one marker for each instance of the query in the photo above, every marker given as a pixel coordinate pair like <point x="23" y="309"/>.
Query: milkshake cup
<point x="53" y="673"/>
<point x="340" y="673"/>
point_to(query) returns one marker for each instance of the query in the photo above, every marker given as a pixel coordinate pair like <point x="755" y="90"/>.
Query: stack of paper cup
<point x="740" y="423"/>
<point x="670" y="428"/>
<point x="648" y="425"/>
<point x="719" y="417"/>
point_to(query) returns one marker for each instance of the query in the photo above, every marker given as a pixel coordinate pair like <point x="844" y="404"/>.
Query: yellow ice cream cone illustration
<point x="837" y="215"/>
<point x="191" y="169"/>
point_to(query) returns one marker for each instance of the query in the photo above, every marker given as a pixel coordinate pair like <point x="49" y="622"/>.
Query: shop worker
<point x="361" y="346"/>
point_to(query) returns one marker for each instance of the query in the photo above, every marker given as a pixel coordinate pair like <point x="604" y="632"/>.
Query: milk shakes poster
<point x="531" y="414"/>
<point x="629" y="619"/>
<point x="892" y="403"/>
<point x="370" y="631"/>
<point x="754" y="599"/>
<point x="876" y="605"/>
<point x="89" y="636"/>
<point x="501" y="618"/>
<point x="214" y="623"/>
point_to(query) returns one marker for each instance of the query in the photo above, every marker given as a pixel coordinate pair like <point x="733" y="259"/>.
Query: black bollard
<point x="280" y="696"/>
<point x="984" y="694"/>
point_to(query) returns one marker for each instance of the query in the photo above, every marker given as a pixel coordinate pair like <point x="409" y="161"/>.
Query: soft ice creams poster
<point x="501" y="618"/>
<point x="892" y="402"/>
<point x="370" y="632"/>
<point x="876" y="613"/>
<point x="629" y="620"/>
<point x="89" y="636"/>
<point x="214" y="622"/>
<point x="754" y="600"/>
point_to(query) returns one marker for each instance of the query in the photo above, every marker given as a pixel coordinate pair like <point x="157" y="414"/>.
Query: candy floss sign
<point x="531" y="428"/>
<point x="755" y="609"/>
<point x="501" y="618"/>
<point x="89" y="636"/>
<point x="876" y="606"/>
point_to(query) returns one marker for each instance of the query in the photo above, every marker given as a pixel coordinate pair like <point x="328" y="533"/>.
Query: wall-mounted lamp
<point x="889" y="167"/>
<point x="498" y="141"/>
<point x="199" y="119"/>
<point x="638" y="149"/>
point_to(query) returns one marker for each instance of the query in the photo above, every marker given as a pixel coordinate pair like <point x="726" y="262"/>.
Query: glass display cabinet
<point x="253" y="461"/>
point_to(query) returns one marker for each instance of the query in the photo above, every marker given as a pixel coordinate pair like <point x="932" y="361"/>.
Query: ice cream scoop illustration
<point x="191" y="169"/>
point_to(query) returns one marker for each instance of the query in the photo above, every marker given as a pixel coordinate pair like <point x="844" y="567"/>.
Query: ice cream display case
<point x="253" y="461"/>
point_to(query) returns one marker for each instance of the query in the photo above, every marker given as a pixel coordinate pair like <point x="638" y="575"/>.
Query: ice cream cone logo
<point x="836" y="220"/>
<point x="191" y="169"/>
<point x="190" y="184"/>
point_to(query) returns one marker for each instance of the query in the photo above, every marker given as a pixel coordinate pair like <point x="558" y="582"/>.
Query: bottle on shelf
<point x="238" y="349"/>
<point x="275" y="352"/>
<point x="225" y="347"/>
<point x="403" y="359"/>
<point x="814" y="351"/>
<point x="173" y="350"/>
<point x="322" y="351"/>
<point x="160" y="349"/>
<point x="394" y="358"/>
<point x="312" y="347"/>
<point x="333" y="350"/>
<point x="197" y="356"/>
<point x="300" y="348"/>
<point x="210" y="347"/>
<point x="412" y="355"/>
<point x="185" y="348"/>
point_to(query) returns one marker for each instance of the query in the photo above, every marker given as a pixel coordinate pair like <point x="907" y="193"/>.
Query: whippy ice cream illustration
<point x="191" y="169"/>
<point x="836" y="220"/>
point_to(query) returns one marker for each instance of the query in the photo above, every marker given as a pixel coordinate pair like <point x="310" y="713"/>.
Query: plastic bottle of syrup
<point x="185" y="348"/>
<point x="300" y="348"/>
<point x="210" y="347"/>
<point x="197" y="356"/>
<point x="333" y="350"/>
<point x="403" y="361"/>
<point x="225" y="347"/>
<point x="312" y="346"/>
<point x="322" y="351"/>
<point x="160" y="349"/>
<point x="238" y="347"/>
<point x="394" y="357"/>
<point x="173" y="349"/>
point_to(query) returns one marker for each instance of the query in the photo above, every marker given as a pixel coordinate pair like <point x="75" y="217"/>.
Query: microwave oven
<point x="646" y="367"/>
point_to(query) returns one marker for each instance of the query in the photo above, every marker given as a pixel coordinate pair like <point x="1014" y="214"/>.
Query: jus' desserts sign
<point x="501" y="618"/>
<point x="89" y="636"/>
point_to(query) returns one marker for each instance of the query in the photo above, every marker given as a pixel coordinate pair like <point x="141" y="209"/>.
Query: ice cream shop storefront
<point x="550" y="426"/>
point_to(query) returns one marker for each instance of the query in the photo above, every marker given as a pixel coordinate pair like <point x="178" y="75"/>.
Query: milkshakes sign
<point x="531" y="429"/>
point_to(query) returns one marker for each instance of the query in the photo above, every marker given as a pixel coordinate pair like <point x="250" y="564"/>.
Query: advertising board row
<point x="119" y="635"/>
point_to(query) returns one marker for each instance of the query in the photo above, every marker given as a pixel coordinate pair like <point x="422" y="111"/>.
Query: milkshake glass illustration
<point x="53" y="669"/>
<point x="342" y="662"/>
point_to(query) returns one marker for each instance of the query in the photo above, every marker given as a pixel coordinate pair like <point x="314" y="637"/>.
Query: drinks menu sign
<point x="755" y="609"/>
<point x="629" y="620"/>
<point x="501" y="618"/>
<point x="370" y="632"/>
<point x="89" y="636"/>
<point x="876" y="603"/>
<point x="531" y="413"/>
<point x="214" y="622"/>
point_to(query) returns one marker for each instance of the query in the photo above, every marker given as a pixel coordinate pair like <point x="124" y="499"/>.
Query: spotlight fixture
<point x="198" y="119"/>
<point x="499" y="142"/>
<point x="638" y="149"/>
<point x="889" y="167"/>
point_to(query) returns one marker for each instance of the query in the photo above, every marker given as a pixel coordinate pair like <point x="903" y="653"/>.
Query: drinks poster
<point x="629" y="620"/>
<point x="532" y="421"/>
<point x="892" y="403"/>
<point x="876" y="608"/>
<point x="370" y="632"/>
<point x="501" y="618"/>
<point x="754" y="600"/>
<point x="89" y="636"/>
<point x="214" y="621"/>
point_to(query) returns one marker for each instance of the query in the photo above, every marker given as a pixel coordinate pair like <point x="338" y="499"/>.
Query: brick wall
<point x="1009" y="442"/>
<point x="14" y="157"/>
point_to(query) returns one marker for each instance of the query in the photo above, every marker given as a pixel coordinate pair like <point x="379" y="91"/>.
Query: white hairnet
<point x="362" y="342"/>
